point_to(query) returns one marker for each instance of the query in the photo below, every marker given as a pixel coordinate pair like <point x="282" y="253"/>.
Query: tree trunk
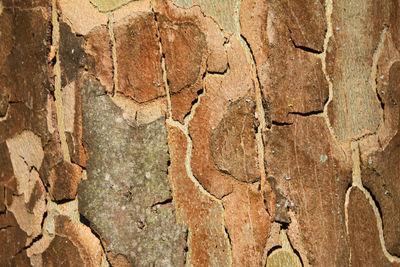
<point x="199" y="133"/>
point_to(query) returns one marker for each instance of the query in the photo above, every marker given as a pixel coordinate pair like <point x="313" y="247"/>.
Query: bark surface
<point x="199" y="133"/>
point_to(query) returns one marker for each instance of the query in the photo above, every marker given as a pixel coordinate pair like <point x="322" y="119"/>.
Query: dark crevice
<point x="298" y="255"/>
<point x="105" y="254"/>
<point x="63" y="201"/>
<point x="349" y="186"/>
<point x="284" y="225"/>
<point x="266" y="209"/>
<point x="5" y="227"/>
<point x="164" y="202"/>
<point x="86" y="222"/>
<point x="294" y="250"/>
<point x="306" y="49"/>
<point x="5" y="198"/>
<point x="359" y="138"/>
<point x="33" y="241"/>
<point x="278" y="123"/>
<point x="31" y="168"/>
<point x="199" y="93"/>
<point x="255" y="180"/>
<point x="122" y="93"/>
<point x="255" y="63"/>
<point x="255" y="127"/>
<point x="46" y="185"/>
<point x="301" y="47"/>
<point x="325" y="102"/>
<point x="225" y="195"/>
<point x="218" y="73"/>
<point x="204" y="75"/>
<point x="78" y="35"/>
<point x="136" y="116"/>
<point x="191" y="139"/>
<point x="226" y="40"/>
<point x="272" y="250"/>
<point x="49" y="44"/>
<point x="162" y="59"/>
<point x="141" y="225"/>
<point x="228" y="67"/>
<point x="44" y="218"/>
<point x="306" y="114"/>
<point x="77" y="163"/>
<point x="184" y="87"/>
<point x="16" y="102"/>
<point x="223" y="171"/>
<point x="114" y="89"/>
<point x="186" y="248"/>
<point x="51" y="92"/>
<point x="53" y="61"/>
<point x="229" y="237"/>
<point x="158" y="35"/>
<point x="37" y="238"/>
<point x="191" y="106"/>
<point x="380" y="100"/>
<point x="376" y="203"/>
<point x="266" y="107"/>
<point x="169" y="160"/>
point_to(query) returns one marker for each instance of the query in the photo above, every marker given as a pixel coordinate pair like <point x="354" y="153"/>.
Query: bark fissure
<point x="374" y="69"/>
<point x="86" y="222"/>
<point x="301" y="47"/>
<point x="322" y="56"/>
<point x="281" y="123"/>
<point x="279" y="254"/>
<point x="130" y="98"/>
<point x="113" y="53"/>
<point x="56" y="207"/>
<point x="57" y="81"/>
<point x="229" y="238"/>
<point x="307" y="114"/>
<point x="5" y="227"/>
<point x="184" y="128"/>
<point x="163" y="202"/>
<point x="357" y="183"/>
<point x="261" y="115"/>
<point x="163" y="65"/>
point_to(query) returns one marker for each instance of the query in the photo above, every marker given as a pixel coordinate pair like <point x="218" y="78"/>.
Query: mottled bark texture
<point x="199" y="133"/>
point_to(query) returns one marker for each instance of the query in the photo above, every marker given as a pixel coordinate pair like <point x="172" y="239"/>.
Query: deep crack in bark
<point x="262" y="128"/>
<point x="357" y="183"/>
<point x="322" y="56"/>
<point x="184" y="128"/>
<point x="301" y="47"/>
<point x="113" y="44"/>
<point x="56" y="69"/>
<point x="57" y="82"/>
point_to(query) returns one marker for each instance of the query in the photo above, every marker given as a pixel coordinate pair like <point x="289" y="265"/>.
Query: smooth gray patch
<point x="126" y="178"/>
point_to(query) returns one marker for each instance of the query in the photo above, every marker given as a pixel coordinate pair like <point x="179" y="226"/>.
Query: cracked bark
<point x="199" y="133"/>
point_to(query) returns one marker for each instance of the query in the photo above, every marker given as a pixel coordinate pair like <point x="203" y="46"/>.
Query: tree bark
<point x="199" y="133"/>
